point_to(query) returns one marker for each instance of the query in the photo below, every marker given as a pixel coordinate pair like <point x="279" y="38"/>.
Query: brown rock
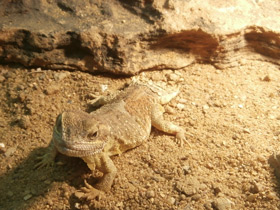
<point x="125" y="37"/>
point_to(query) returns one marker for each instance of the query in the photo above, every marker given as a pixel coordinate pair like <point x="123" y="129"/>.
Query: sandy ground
<point x="232" y="120"/>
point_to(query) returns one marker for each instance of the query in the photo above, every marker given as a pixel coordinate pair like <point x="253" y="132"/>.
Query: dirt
<point x="232" y="120"/>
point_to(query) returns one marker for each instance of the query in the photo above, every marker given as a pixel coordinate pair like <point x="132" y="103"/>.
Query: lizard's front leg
<point x="47" y="159"/>
<point x="103" y="163"/>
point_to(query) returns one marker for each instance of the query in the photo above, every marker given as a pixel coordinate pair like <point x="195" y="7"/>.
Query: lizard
<point x="123" y="122"/>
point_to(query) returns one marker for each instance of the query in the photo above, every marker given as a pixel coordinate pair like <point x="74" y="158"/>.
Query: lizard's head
<point x="78" y="134"/>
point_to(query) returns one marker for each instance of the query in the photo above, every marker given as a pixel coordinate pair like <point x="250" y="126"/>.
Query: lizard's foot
<point x="45" y="160"/>
<point x="89" y="192"/>
<point x="181" y="138"/>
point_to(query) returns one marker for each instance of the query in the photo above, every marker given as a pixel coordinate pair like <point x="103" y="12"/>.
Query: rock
<point x="24" y="122"/>
<point x="267" y="78"/>
<point x="2" y="78"/>
<point x="10" y="151"/>
<point x="126" y="37"/>
<point x="27" y="197"/>
<point x="222" y="203"/>
<point x="58" y="76"/>
<point x="171" y="200"/>
<point x="186" y="169"/>
<point x="271" y="196"/>
<point x="252" y="197"/>
<point x="52" y="89"/>
<point x="150" y="194"/>
<point x="256" y="188"/>
<point x="2" y="147"/>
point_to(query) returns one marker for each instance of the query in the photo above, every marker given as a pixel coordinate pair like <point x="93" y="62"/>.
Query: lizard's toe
<point x="44" y="161"/>
<point x="89" y="192"/>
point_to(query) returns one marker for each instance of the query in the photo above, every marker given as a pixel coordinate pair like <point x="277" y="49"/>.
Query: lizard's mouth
<point x="77" y="149"/>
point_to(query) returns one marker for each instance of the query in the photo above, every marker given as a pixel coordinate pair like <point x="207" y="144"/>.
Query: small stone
<point x="271" y="196"/>
<point x="104" y="87"/>
<point x="252" y="197"/>
<point x="208" y="205"/>
<point x="186" y="169"/>
<point x="256" y="188"/>
<point x="196" y="197"/>
<point x="27" y="197"/>
<point x="209" y="166"/>
<point x="173" y="77"/>
<point x="162" y="194"/>
<point x="217" y="189"/>
<point x="246" y="130"/>
<point x="10" y="151"/>
<point x="77" y="205"/>
<point x="205" y="107"/>
<point x="267" y="78"/>
<point x="60" y="75"/>
<point x="2" y="78"/>
<point x="171" y="200"/>
<point x="222" y="203"/>
<point x="24" y="122"/>
<point x="180" y="106"/>
<point x="2" y="147"/>
<point x="52" y="89"/>
<point x="150" y="194"/>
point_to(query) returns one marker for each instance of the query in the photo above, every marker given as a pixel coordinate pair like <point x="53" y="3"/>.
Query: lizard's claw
<point x="89" y="192"/>
<point x="181" y="139"/>
<point x="44" y="161"/>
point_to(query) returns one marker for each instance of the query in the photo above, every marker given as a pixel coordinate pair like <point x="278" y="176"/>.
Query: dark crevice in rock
<point x="266" y="43"/>
<point x="197" y="42"/>
<point x="144" y="9"/>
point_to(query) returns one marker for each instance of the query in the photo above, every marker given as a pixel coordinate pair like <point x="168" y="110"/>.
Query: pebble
<point x="2" y="78"/>
<point x="271" y="196"/>
<point x="2" y="147"/>
<point x="173" y="77"/>
<point x="60" y="75"/>
<point x="104" y="87"/>
<point x="52" y="89"/>
<point x="180" y="106"/>
<point x="10" y="151"/>
<point x="186" y="169"/>
<point x="150" y="194"/>
<point x="27" y="197"/>
<point x="196" y="197"/>
<point x="256" y="188"/>
<point x="24" y="122"/>
<point x="252" y="197"/>
<point x="222" y="203"/>
<point x="209" y="166"/>
<point x="267" y="78"/>
<point x="171" y="200"/>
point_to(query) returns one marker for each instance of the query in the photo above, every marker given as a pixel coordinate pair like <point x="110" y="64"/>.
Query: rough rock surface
<point x="125" y="37"/>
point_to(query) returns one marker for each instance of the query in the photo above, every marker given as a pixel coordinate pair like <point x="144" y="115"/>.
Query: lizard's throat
<point x="78" y="149"/>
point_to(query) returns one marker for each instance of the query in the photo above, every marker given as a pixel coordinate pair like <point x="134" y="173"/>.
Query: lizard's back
<point x="128" y="117"/>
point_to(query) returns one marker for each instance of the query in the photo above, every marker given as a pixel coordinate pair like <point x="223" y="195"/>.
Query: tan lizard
<point x="123" y="123"/>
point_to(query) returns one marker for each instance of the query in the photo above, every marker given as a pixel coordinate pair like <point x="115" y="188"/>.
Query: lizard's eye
<point x="92" y="135"/>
